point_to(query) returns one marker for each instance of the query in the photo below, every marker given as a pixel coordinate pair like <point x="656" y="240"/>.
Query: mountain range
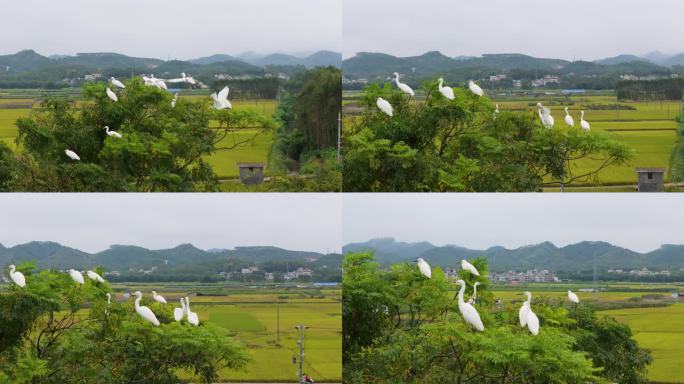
<point x="574" y="257"/>
<point x="380" y="65"/>
<point x="47" y="254"/>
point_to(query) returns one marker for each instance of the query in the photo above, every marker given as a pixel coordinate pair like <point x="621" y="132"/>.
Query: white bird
<point x="568" y="119"/>
<point x="192" y="316"/>
<point x="404" y="87"/>
<point x="527" y="316"/>
<point x="116" y="82"/>
<point x="112" y="133"/>
<point x="95" y="277"/>
<point x="183" y="79"/>
<point x="112" y="95"/>
<point x="158" y="298"/>
<point x="175" y="99"/>
<point x="145" y="312"/>
<point x="17" y="277"/>
<point x="149" y="81"/>
<point x="221" y="99"/>
<point x="497" y="109"/>
<point x="424" y="268"/>
<point x="178" y="313"/>
<point x="545" y="116"/>
<point x="583" y="123"/>
<point x="385" y="106"/>
<point x="76" y="276"/>
<point x="109" y="301"/>
<point x="474" y="88"/>
<point x="468" y="312"/>
<point x="159" y="83"/>
<point x="474" y="296"/>
<point x="573" y="297"/>
<point x="446" y="91"/>
<point x="469" y="267"/>
<point x="72" y="155"/>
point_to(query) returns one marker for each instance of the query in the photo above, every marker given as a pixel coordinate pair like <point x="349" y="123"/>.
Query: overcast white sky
<point x="171" y="28"/>
<point x="565" y="29"/>
<point x="641" y="222"/>
<point x="92" y="222"/>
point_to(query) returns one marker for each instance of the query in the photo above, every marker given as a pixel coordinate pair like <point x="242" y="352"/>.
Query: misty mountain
<point x="123" y="257"/>
<point x="573" y="257"/>
<point x="619" y="59"/>
<point x="213" y="59"/>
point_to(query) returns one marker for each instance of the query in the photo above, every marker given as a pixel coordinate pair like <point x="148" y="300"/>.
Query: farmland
<point x="658" y="328"/>
<point x="15" y="104"/>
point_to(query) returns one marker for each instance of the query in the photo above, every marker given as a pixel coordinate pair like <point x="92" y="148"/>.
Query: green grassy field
<point x="18" y="103"/>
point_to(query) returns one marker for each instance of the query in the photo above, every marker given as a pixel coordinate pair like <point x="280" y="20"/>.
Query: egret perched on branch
<point x="175" y="99"/>
<point x="112" y="133"/>
<point x="72" y="155"/>
<point x="183" y="79"/>
<point x="143" y="311"/>
<point x="221" y="99"/>
<point x="468" y="312"/>
<point x="404" y="87"/>
<point x="568" y="119"/>
<point x="112" y="95"/>
<point x="424" y="267"/>
<point x="116" y="82"/>
<point x="445" y="91"/>
<point x="474" y="88"/>
<point x="109" y="302"/>
<point x="385" y="106"/>
<point x="178" y="313"/>
<point x="474" y="296"/>
<point x="527" y="316"/>
<point x="158" y="298"/>
<point x="469" y="267"/>
<point x="583" y="123"/>
<point x="573" y="297"/>
<point x="76" y="276"/>
<point x="192" y="316"/>
<point x="17" y="277"/>
<point x="545" y="116"/>
<point x="95" y="277"/>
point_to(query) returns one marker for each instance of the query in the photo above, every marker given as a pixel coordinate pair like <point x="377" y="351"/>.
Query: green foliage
<point x="47" y="337"/>
<point x="400" y="327"/>
<point x="677" y="158"/>
<point x="461" y="145"/>
<point x="162" y="148"/>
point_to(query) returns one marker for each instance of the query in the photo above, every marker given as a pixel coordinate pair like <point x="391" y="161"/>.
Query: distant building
<point x="270" y="276"/>
<point x="517" y="84"/>
<point x="251" y="173"/>
<point x="646" y="272"/>
<point x="650" y="179"/>
<point x="529" y="276"/>
<point x="92" y="76"/>
<point x="495" y="78"/>
<point x="298" y="274"/>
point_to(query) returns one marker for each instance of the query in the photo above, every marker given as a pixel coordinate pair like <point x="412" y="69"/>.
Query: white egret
<point x="143" y="311"/>
<point x="424" y="268"/>
<point x="116" y="82"/>
<point x="583" y="123"/>
<point x="385" y="106"/>
<point x="545" y="116"/>
<point x="72" y="155"/>
<point x="221" y="99"/>
<point x="183" y="79"/>
<point x="112" y="95"/>
<point x="159" y="83"/>
<point x="17" y="277"/>
<point x="573" y="297"/>
<point x="193" y="318"/>
<point x="112" y="133"/>
<point x="158" y="298"/>
<point x="404" y="87"/>
<point x="527" y="316"/>
<point x="469" y="267"/>
<point x="497" y="109"/>
<point x="149" y="81"/>
<point x="178" y="313"/>
<point x="568" y="119"/>
<point x="445" y="91"/>
<point x="76" y="276"/>
<point x="474" y="88"/>
<point x="468" y="312"/>
<point x="474" y="296"/>
<point x="175" y="99"/>
<point x="95" y="277"/>
<point x="109" y="302"/>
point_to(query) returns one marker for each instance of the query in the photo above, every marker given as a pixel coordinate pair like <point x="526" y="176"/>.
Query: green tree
<point x="162" y="148"/>
<point x="55" y="331"/>
<point x="462" y="145"/>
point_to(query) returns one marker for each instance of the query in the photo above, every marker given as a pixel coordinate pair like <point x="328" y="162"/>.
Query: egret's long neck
<point x="582" y="117"/>
<point x="440" y="83"/>
<point x="474" y="291"/>
<point x="13" y="269"/>
<point x="137" y="302"/>
<point x="460" y="294"/>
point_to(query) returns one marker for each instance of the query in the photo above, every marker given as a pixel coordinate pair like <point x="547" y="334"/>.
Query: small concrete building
<point x="650" y="179"/>
<point x="251" y="173"/>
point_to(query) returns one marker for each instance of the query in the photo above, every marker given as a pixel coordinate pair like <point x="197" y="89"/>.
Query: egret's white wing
<point x="532" y="322"/>
<point x="148" y="315"/>
<point x="471" y="316"/>
<point x="223" y="94"/>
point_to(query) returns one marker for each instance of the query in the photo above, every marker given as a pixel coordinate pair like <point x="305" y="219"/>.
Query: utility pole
<point x="300" y="373"/>
<point x="339" y="134"/>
